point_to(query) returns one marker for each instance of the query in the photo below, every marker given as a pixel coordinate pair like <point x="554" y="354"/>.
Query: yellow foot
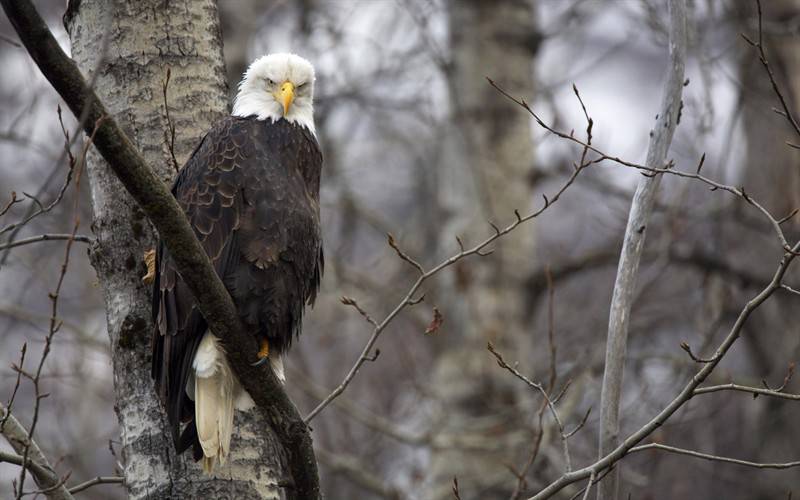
<point x="263" y="353"/>
<point x="150" y="262"/>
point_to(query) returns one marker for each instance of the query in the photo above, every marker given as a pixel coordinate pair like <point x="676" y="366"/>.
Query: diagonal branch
<point x="44" y="474"/>
<point x="166" y="215"/>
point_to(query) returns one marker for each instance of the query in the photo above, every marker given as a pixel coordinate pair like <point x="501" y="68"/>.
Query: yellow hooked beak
<point x="286" y="96"/>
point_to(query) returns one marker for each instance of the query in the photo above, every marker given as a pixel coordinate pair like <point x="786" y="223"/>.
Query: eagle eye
<point x="270" y="82"/>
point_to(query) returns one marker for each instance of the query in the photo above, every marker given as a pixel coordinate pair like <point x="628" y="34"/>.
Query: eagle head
<point x="278" y="86"/>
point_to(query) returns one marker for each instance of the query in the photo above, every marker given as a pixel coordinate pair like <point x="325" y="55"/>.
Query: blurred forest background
<point x="418" y="144"/>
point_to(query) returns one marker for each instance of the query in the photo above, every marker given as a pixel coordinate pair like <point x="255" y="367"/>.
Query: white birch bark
<point x="143" y="39"/>
<point x="633" y="244"/>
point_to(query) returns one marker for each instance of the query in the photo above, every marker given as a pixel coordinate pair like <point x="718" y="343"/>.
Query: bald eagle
<point x="251" y="192"/>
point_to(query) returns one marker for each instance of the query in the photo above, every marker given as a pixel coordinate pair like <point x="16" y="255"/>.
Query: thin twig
<point x="19" y="369"/>
<point x="790" y="289"/>
<point x="95" y="481"/>
<point x="755" y="391"/>
<point x="564" y="438"/>
<point x="589" y="486"/>
<point x="169" y="133"/>
<point x="714" y="458"/>
<point x="13" y="201"/>
<point x="697" y="359"/>
<point x="47" y="237"/>
<point x="403" y="255"/>
<point x="349" y="301"/>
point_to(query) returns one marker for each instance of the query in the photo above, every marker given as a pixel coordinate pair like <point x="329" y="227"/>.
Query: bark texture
<point x="485" y="176"/>
<point x="125" y="48"/>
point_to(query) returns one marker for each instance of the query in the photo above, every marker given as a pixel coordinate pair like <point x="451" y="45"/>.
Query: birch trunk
<point x="487" y="162"/>
<point x="125" y="48"/>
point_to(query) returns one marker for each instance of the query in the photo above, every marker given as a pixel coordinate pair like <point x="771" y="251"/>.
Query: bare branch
<point x="696" y="359"/>
<point x="13" y="201"/>
<point x="755" y="391"/>
<point x="95" y="481"/>
<point x="18" y="368"/>
<point x="348" y="301"/>
<point x="714" y="458"/>
<point x="47" y="237"/>
<point x="19" y="439"/>
<point x="790" y="289"/>
<point x="403" y="255"/>
<point x="550" y="405"/>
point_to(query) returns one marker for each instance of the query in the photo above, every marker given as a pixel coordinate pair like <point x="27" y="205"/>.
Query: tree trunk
<point x="125" y="48"/>
<point x="771" y="176"/>
<point x="488" y="171"/>
<point x="485" y="176"/>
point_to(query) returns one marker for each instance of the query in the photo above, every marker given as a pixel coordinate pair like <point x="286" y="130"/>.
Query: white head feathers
<point x="278" y="86"/>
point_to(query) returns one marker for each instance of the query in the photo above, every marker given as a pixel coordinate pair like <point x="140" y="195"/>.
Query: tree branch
<point x="44" y="474"/>
<point x="46" y="237"/>
<point x="633" y="244"/>
<point x="755" y="391"/>
<point x="166" y="215"/>
<point x="714" y="458"/>
<point x="95" y="481"/>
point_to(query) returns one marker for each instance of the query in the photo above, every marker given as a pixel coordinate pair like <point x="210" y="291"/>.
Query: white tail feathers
<point x="276" y="362"/>
<point x="216" y="390"/>
<point x="214" y="385"/>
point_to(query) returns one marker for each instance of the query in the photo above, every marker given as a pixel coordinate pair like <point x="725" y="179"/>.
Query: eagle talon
<point x="150" y="262"/>
<point x="260" y="362"/>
